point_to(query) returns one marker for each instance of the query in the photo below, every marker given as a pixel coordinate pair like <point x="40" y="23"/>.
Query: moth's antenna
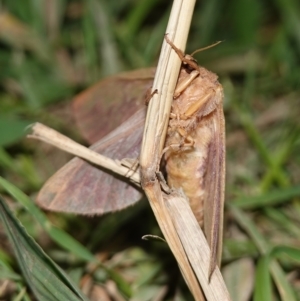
<point x="205" y="48"/>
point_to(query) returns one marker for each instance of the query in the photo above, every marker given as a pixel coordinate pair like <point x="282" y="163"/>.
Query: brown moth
<point x="195" y="147"/>
<point x="194" y="150"/>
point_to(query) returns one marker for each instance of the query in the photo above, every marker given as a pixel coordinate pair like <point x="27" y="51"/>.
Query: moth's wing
<point x="215" y="186"/>
<point x="82" y="188"/>
<point x="117" y="97"/>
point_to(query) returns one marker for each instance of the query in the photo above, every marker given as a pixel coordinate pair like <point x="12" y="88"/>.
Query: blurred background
<point x="51" y="50"/>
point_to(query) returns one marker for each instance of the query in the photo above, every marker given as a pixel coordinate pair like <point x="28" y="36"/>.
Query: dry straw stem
<point x="155" y="132"/>
<point x="196" y="247"/>
<point x="153" y="141"/>
<point x="164" y="82"/>
<point x="50" y="136"/>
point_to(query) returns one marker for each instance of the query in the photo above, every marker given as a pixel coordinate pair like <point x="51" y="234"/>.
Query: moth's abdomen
<point x="186" y="169"/>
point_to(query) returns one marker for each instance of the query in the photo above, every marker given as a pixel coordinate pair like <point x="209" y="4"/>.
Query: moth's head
<point x="189" y="63"/>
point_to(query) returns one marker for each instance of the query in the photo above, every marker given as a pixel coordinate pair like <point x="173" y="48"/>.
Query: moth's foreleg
<point x="149" y="95"/>
<point x="204" y="105"/>
<point x="185" y="83"/>
<point x="186" y="59"/>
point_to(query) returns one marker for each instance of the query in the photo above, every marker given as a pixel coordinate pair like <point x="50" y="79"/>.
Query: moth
<point x="195" y="147"/>
<point x="194" y="153"/>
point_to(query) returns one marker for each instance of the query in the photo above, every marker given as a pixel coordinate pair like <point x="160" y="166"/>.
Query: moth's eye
<point x="188" y="68"/>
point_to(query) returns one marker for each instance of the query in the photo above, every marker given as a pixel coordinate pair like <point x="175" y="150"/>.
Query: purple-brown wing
<point x="214" y="184"/>
<point x="82" y="188"/>
<point x="101" y="108"/>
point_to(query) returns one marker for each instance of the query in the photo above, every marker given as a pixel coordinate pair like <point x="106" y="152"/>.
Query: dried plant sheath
<point x="195" y="246"/>
<point x="195" y="150"/>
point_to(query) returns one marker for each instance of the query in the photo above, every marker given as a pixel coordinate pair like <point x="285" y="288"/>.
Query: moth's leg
<point x="204" y="105"/>
<point x="186" y="143"/>
<point x="163" y="184"/>
<point x="187" y="140"/>
<point x="149" y="95"/>
<point x="185" y="83"/>
<point x="177" y="50"/>
<point x="174" y="116"/>
<point x="131" y="164"/>
<point x="186" y="59"/>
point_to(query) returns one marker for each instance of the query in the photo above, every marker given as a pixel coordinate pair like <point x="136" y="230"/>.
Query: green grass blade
<point x="283" y="285"/>
<point x="136" y="16"/>
<point x="290" y="15"/>
<point x="274" y="197"/>
<point x="59" y="236"/>
<point x="280" y="218"/>
<point x="285" y="250"/>
<point x="46" y="279"/>
<point x="263" y="287"/>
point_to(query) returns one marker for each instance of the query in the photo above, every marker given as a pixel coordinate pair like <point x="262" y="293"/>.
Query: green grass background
<point x="51" y="50"/>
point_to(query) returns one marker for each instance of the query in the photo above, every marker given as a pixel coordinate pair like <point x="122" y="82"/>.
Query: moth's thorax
<point x="201" y="86"/>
